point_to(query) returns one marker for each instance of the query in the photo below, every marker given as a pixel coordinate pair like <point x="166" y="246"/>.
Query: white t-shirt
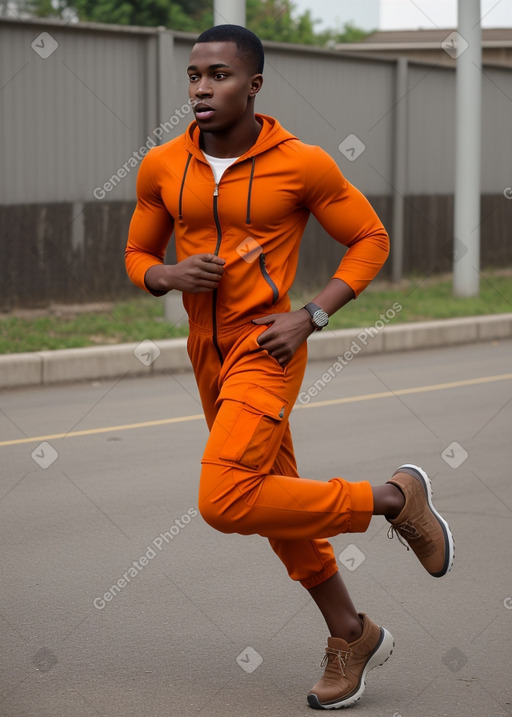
<point x="219" y="165"/>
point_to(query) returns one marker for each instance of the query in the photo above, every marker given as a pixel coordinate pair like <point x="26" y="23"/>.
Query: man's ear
<point x="256" y="83"/>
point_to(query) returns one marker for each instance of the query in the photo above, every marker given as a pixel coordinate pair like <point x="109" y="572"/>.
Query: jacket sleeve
<point x="150" y="228"/>
<point x="345" y="214"/>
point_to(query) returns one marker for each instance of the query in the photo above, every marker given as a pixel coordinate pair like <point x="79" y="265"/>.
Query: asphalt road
<point x="117" y="598"/>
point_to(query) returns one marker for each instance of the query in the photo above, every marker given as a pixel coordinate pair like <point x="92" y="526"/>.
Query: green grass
<point x="140" y="319"/>
<point x="423" y="300"/>
<point x="126" y="321"/>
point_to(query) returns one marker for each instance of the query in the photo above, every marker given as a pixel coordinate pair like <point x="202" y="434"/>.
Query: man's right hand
<point x="195" y="274"/>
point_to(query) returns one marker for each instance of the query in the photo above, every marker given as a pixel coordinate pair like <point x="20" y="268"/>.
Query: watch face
<point x="320" y="318"/>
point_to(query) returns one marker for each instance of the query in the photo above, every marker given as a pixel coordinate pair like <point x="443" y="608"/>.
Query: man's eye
<point x="220" y="75"/>
<point x="192" y="78"/>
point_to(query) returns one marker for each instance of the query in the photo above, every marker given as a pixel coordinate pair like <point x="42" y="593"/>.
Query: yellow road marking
<point x="405" y="391"/>
<point x="316" y="404"/>
<point x="103" y="429"/>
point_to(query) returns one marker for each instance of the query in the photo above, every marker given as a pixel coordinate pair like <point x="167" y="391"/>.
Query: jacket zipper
<point x="266" y="276"/>
<point x="216" y="252"/>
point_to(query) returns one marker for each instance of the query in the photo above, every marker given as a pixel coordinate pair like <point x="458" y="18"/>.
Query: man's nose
<point x="203" y="88"/>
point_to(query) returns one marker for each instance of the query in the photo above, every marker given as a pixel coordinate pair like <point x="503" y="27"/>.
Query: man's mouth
<point x="203" y="112"/>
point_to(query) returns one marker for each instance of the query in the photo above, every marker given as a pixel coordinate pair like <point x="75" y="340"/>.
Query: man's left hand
<point x="285" y="334"/>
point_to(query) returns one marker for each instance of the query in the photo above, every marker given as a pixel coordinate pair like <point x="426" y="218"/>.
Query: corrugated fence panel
<point x="328" y="100"/>
<point x="431" y="130"/>
<point x="71" y="119"/>
<point x="432" y="126"/>
<point x="182" y="48"/>
<point x="497" y="132"/>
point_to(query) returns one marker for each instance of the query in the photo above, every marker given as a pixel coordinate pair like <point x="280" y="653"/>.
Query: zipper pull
<point x="216" y="191"/>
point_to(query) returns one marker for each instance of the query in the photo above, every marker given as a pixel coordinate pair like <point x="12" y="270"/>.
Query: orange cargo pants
<point x="249" y="480"/>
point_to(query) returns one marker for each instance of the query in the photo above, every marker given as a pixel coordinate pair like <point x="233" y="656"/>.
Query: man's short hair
<point x="247" y="42"/>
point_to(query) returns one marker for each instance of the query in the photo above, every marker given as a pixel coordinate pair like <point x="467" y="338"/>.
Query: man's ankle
<point x="398" y="502"/>
<point x="351" y="631"/>
<point x="388" y="500"/>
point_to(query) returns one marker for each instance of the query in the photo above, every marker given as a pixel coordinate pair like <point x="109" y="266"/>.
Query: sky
<point x="402" y="14"/>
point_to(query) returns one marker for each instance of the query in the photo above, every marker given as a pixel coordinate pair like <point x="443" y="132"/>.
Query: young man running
<point x="237" y="189"/>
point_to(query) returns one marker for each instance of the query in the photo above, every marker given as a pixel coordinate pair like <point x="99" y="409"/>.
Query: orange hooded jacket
<point x="254" y="219"/>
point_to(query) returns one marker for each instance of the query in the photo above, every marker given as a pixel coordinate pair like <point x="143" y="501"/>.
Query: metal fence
<point x="80" y="105"/>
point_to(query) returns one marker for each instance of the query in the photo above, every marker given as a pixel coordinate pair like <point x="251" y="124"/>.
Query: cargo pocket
<point x="255" y="421"/>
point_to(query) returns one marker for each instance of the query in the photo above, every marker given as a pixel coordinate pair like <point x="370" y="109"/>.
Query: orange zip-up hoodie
<point x="254" y="219"/>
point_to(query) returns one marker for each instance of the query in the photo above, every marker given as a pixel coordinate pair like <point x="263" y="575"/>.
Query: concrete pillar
<point x="229" y="12"/>
<point x="468" y="53"/>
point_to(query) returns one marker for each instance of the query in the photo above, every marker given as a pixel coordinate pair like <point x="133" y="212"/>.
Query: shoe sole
<point x="382" y="652"/>
<point x="419" y="474"/>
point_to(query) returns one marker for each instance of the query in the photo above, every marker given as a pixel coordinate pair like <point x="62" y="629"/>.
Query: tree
<point x="34" y="8"/>
<point x="350" y="33"/>
<point x="120" y="12"/>
<point x="275" y="20"/>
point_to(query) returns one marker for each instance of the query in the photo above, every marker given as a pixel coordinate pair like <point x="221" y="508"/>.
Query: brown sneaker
<point x="419" y="523"/>
<point x="346" y="665"/>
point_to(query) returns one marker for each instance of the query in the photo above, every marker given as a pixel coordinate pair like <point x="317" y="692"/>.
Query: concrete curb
<point x="149" y="358"/>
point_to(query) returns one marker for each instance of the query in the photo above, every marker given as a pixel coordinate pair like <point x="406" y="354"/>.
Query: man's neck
<point x="233" y="142"/>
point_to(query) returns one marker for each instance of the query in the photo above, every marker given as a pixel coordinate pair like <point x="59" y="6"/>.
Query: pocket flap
<point x="261" y="399"/>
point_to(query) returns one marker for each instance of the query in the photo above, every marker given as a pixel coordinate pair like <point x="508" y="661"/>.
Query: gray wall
<point x="71" y="119"/>
<point x="72" y="126"/>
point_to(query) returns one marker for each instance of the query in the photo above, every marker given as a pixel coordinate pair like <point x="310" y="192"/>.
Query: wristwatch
<point x="319" y="317"/>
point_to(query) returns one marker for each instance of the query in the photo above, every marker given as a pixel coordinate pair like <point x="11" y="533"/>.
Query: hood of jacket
<point x="272" y="134"/>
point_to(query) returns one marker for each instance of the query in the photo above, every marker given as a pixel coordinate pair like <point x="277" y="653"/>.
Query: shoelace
<point x="342" y="656"/>
<point x="404" y="532"/>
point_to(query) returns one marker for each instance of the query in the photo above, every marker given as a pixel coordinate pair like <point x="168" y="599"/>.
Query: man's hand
<point x="285" y="334"/>
<point x="195" y="274"/>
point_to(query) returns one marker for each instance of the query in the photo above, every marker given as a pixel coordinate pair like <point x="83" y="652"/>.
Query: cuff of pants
<point x="327" y="572"/>
<point x="361" y="515"/>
